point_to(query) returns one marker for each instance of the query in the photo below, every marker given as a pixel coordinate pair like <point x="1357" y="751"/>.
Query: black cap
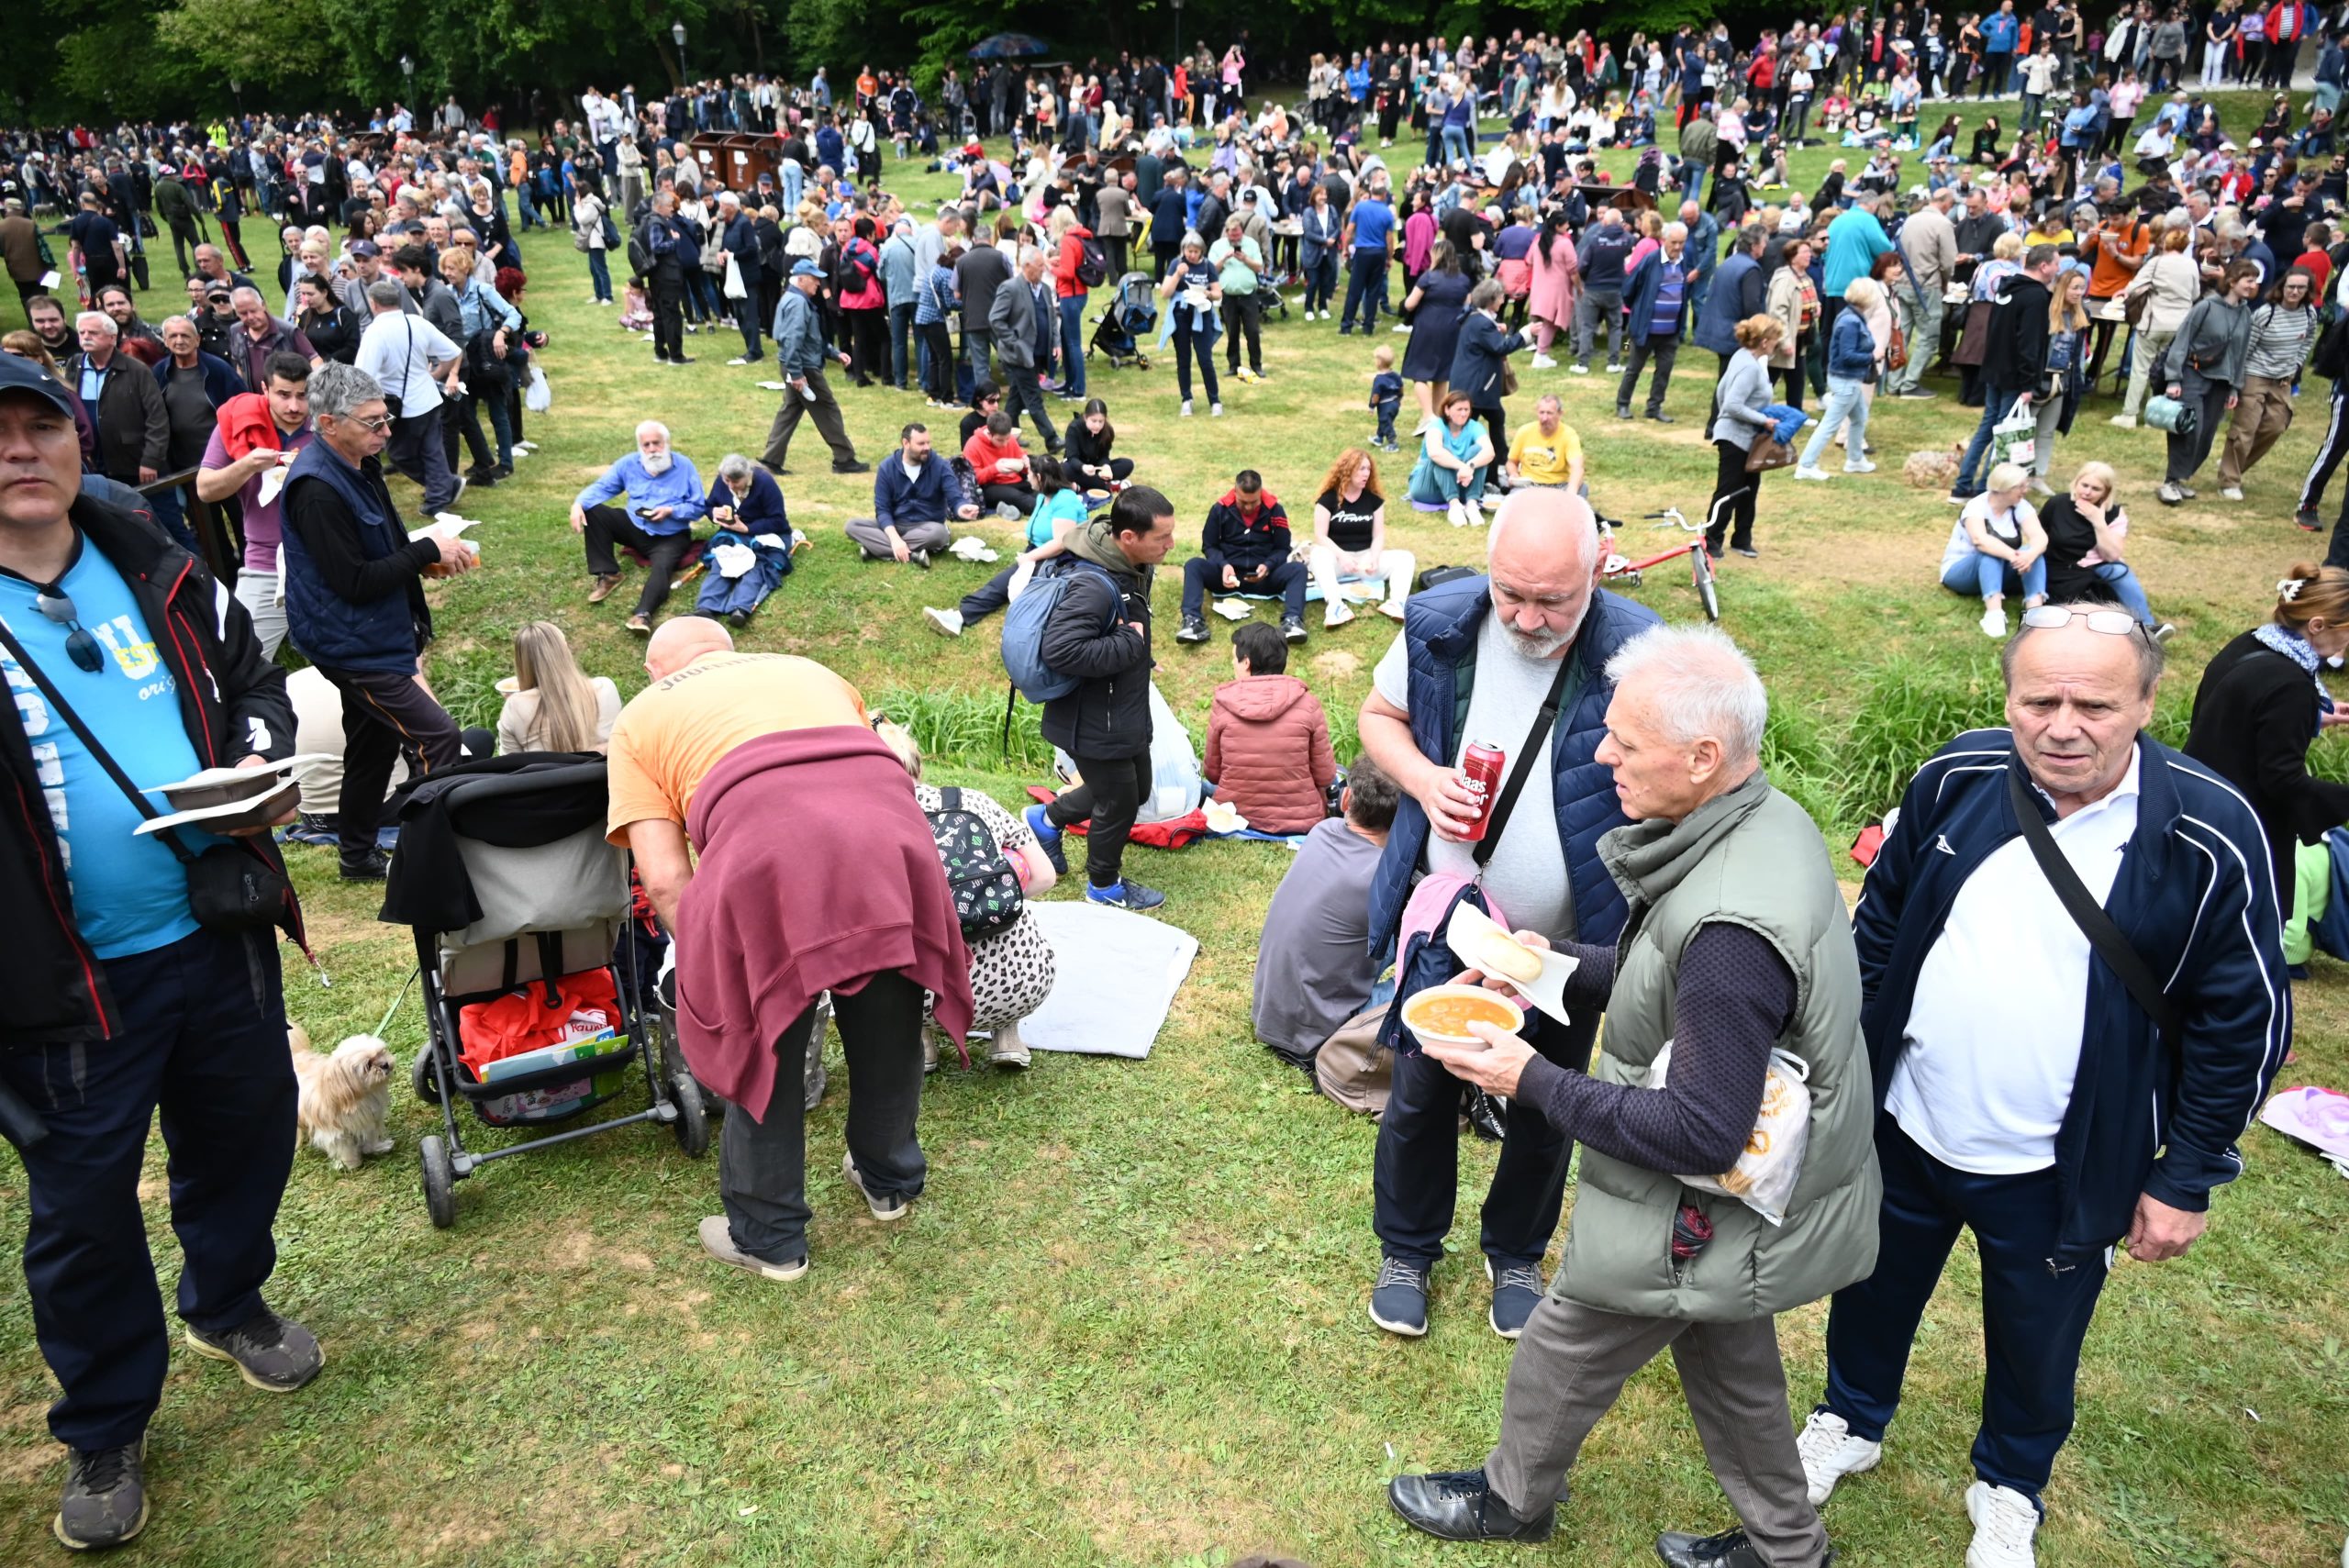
<point x="19" y="375"/>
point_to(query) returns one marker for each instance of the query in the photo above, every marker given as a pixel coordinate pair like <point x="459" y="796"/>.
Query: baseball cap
<point x="17" y="374"/>
<point x="804" y="267"/>
<point x="365" y="247"/>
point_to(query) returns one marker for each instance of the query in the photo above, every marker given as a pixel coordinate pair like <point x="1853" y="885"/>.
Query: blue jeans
<point x="1321" y="282"/>
<point x="1986" y="575"/>
<point x="1073" y="344"/>
<point x="599" y="272"/>
<point x="1366" y="287"/>
<point x="1997" y="402"/>
<point x="1198" y="341"/>
<point x="1845" y="400"/>
<point x="903" y="353"/>
<point x="202" y="1039"/>
<point x="1456" y="146"/>
<point x="2127" y="589"/>
<point x="2033" y="1318"/>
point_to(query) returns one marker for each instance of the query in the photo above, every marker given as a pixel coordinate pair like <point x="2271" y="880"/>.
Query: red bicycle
<point x="1629" y="574"/>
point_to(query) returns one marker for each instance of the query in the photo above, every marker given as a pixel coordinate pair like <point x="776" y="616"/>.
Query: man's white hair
<point x="1701" y="684"/>
<point x="97" y="318"/>
<point x="652" y="425"/>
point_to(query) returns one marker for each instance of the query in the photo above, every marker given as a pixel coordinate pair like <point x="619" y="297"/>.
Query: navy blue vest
<point x="330" y="629"/>
<point x="1440" y="628"/>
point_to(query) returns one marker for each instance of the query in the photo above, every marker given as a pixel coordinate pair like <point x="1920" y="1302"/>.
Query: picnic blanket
<point x="1117" y="978"/>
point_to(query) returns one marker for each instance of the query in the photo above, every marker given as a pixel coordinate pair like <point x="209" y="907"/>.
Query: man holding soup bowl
<point x="1738" y="941"/>
<point x="1479" y="662"/>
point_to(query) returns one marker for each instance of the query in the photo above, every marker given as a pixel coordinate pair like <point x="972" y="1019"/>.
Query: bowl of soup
<point x="1441" y="1015"/>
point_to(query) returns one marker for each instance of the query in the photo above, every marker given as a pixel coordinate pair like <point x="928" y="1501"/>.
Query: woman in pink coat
<point x="1557" y="284"/>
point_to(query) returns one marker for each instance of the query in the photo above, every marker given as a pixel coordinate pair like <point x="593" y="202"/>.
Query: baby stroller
<point x="517" y="905"/>
<point x="1131" y="316"/>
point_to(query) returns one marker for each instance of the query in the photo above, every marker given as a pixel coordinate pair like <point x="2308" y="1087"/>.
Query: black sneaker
<point x="105" y="1500"/>
<point x="921" y="559"/>
<point x="1517" y="1291"/>
<point x="2309" y="520"/>
<point x="1731" y="1548"/>
<point x="1459" y="1505"/>
<point x="373" y="866"/>
<point x="1398" y="1298"/>
<point x="272" y="1353"/>
<point x="852" y="466"/>
<point x="1195" y="630"/>
<point x="1292" y="629"/>
<point x="1660" y="418"/>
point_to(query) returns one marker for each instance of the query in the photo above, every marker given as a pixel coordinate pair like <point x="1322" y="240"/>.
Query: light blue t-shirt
<point x="1060" y="505"/>
<point x="129" y="894"/>
<point x="1373" y="224"/>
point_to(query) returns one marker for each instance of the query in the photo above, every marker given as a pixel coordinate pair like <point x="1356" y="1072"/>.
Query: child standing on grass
<point x="1268" y="741"/>
<point x="1385" y="397"/>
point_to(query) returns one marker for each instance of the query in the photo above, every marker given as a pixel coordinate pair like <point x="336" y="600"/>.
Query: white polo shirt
<point x="1993" y="1037"/>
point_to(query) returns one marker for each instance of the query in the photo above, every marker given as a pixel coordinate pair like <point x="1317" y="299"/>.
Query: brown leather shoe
<point x="603" y="588"/>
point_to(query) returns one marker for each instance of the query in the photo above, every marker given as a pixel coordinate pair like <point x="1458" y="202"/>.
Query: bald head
<point x="679" y="642"/>
<point x="1543" y="557"/>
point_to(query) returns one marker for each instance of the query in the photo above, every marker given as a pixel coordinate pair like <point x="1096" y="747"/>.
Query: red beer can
<point x="1481" y="765"/>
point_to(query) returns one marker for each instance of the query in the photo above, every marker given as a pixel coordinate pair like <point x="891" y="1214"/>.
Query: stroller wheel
<point x="439" y="1182"/>
<point x="692" y="1126"/>
<point x="428" y="1085"/>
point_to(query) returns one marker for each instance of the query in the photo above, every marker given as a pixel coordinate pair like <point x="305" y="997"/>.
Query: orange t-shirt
<point x="676" y="730"/>
<point x="2113" y="254"/>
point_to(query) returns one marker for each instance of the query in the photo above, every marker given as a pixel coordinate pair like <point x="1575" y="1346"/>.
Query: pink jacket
<point x="1268" y="752"/>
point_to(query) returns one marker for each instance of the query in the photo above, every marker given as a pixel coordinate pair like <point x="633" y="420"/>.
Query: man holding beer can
<point x="1488" y="712"/>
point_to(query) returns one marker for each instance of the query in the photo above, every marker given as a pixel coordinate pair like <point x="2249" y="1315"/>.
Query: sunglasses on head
<point x="2112" y="622"/>
<point x="56" y="606"/>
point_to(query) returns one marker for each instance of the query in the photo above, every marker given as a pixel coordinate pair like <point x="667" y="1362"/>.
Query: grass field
<point x="1125" y="1324"/>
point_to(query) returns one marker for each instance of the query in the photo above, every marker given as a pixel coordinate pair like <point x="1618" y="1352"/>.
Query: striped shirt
<point x="2279" y="342"/>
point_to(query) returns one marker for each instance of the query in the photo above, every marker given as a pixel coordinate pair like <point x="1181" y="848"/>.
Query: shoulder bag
<point x="228" y="888"/>
<point x="2103" y="936"/>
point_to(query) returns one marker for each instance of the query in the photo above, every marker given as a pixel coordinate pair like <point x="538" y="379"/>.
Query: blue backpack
<point x="1023" y="628"/>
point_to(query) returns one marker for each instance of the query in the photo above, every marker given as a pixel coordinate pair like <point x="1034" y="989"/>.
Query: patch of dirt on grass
<point x="1337" y="664"/>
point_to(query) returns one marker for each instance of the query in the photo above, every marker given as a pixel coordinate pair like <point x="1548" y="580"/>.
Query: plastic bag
<point x="735" y="288"/>
<point x="1764" y="1177"/>
<point x="2015" y="438"/>
<point x="1176" y="788"/>
<point x="539" y="397"/>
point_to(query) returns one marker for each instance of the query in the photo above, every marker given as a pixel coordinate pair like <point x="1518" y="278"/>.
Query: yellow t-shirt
<point x="1545" y="459"/>
<point x="675" y="731"/>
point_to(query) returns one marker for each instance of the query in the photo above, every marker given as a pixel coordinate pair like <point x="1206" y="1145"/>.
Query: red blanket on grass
<point x="1172" y="834"/>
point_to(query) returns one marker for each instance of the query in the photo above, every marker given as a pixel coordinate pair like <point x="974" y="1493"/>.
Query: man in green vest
<point x="1738" y="946"/>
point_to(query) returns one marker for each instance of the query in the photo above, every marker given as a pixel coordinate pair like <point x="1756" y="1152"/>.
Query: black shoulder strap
<point x="1569" y="668"/>
<point x="2096" y="925"/>
<point x="950" y="798"/>
<point x="58" y="706"/>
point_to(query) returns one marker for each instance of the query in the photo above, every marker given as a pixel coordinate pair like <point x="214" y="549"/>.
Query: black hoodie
<point x="2016" y="356"/>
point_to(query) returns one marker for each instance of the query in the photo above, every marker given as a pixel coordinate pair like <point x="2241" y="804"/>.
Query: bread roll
<point x="1509" y="959"/>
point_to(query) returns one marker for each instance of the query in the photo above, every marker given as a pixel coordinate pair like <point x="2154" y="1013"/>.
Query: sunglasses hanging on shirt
<point x="56" y="606"/>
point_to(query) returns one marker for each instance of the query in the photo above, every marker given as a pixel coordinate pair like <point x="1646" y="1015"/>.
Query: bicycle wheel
<point x="1700" y="568"/>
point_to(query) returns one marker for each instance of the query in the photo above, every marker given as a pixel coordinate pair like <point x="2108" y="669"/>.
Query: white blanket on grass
<point x="1119" y="973"/>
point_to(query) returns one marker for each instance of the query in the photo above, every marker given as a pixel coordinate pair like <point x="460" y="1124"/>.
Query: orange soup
<point x="1449" y="1012"/>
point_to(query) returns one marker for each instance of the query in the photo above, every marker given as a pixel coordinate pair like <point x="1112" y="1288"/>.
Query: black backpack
<point x="1092" y="264"/>
<point x="2331" y="359"/>
<point x="987" y="898"/>
<point x="640" y="253"/>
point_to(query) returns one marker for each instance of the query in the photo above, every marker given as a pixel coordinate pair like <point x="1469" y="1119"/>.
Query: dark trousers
<point x="2188" y="454"/>
<point x="940" y="383"/>
<point x="385" y="714"/>
<point x="1020" y="497"/>
<point x="1997" y="402"/>
<point x="1107" y="801"/>
<point x="868" y="331"/>
<point x="1289" y="579"/>
<point x="1415" y="1178"/>
<point x="1663" y="351"/>
<point x="1735" y="493"/>
<point x="987" y="597"/>
<point x="1366" y="290"/>
<point x="2033" y="1318"/>
<point x="1115" y="244"/>
<point x="2329" y="449"/>
<point x="462" y="416"/>
<point x="901" y="349"/>
<point x="1321" y="282"/>
<point x="668" y="315"/>
<point x="609" y="526"/>
<point x="1023" y="392"/>
<point x="201" y="1036"/>
<point x="1496" y="419"/>
<point x="415" y="450"/>
<point x="1162" y="253"/>
<point x="1191" y="344"/>
<point x="183" y="240"/>
<point x="763" y="1164"/>
<point x="747" y="318"/>
<point x="1243" y="313"/>
<point x="824" y="408"/>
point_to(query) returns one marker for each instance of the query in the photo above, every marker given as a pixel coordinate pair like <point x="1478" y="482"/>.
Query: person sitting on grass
<point x="914" y="494"/>
<point x="747" y="506"/>
<point x="1089" y="440"/>
<point x="550" y="704"/>
<point x="1060" y="509"/>
<point x="1546" y="454"/>
<point x="1244" y="549"/>
<point x="1001" y="463"/>
<point x="1454" y="460"/>
<point x="1314" y="965"/>
<point x="663" y="496"/>
<point x="1998" y="548"/>
<point x="1349" y="539"/>
<point x="2088" y="530"/>
<point x="1268" y="741"/>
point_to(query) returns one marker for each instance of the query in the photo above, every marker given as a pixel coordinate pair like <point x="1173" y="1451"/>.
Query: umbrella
<point x="1008" y="46"/>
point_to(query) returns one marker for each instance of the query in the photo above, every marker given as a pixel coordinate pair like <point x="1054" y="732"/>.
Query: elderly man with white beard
<point x="661" y="496"/>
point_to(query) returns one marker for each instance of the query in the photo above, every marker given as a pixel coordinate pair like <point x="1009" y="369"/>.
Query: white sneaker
<point x="1402" y="327"/>
<point x="2126" y="421"/>
<point x="1829" y="1452"/>
<point x="1215" y="410"/>
<point x="1811" y="471"/>
<point x="1578" y="369"/>
<point x="1187" y="408"/>
<point x="1335" y="616"/>
<point x="738" y="359"/>
<point x="1863" y="466"/>
<point x="1393" y="610"/>
<point x="2232" y="491"/>
<point x="1994" y="621"/>
<point x="1542" y="362"/>
<point x="2004" y="1522"/>
<point x="946" y="623"/>
<point x="1614" y="368"/>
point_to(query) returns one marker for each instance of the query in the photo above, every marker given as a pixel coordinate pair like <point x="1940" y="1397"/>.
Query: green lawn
<point x="1125" y="1323"/>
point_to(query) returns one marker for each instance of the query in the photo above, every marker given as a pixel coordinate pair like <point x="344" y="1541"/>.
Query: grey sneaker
<point x="105" y="1500"/>
<point x="275" y="1354"/>
<point x="717" y="1241"/>
<point x="892" y="1206"/>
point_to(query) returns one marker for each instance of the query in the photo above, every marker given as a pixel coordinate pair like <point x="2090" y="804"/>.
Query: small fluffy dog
<point x="1933" y="471"/>
<point x="346" y="1097"/>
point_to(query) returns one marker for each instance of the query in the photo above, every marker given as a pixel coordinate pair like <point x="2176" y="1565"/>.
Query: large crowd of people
<point x="2119" y="243"/>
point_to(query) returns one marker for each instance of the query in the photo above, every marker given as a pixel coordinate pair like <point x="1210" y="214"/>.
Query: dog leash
<point x="394" y="1007"/>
